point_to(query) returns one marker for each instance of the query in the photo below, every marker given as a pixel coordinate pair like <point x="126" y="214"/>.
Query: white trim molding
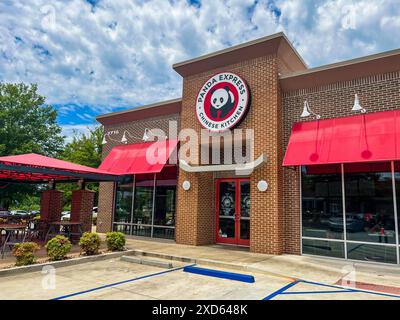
<point x="242" y="168"/>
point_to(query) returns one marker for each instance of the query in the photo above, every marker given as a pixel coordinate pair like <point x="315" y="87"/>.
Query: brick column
<point x="82" y="207"/>
<point x="50" y="208"/>
<point x="106" y="207"/>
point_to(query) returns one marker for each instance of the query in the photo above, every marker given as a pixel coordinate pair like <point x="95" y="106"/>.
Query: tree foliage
<point x="27" y="125"/>
<point x="84" y="149"/>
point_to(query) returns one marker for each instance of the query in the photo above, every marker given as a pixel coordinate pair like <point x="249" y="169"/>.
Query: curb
<point x="153" y="263"/>
<point x="214" y="263"/>
<point x="63" y="263"/>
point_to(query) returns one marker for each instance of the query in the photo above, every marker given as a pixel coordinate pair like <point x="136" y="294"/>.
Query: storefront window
<point x="323" y="248"/>
<point x="369" y="203"/>
<point x="151" y="212"/>
<point x="368" y="216"/>
<point x="322" y="205"/>
<point x="164" y="213"/>
<point x="397" y="184"/>
<point x="368" y="252"/>
<point x="123" y="197"/>
<point x="165" y="203"/>
<point x="143" y="202"/>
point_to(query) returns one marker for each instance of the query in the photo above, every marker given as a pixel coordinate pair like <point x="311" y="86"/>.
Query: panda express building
<point x="325" y="177"/>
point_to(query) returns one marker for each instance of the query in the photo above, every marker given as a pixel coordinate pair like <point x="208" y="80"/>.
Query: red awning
<point x="360" y="138"/>
<point x="147" y="157"/>
<point x="35" y="167"/>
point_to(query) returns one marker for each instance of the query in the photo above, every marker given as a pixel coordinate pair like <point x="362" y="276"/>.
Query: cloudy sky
<point x="95" y="56"/>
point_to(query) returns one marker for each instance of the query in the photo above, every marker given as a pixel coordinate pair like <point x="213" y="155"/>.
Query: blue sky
<point x="95" y="56"/>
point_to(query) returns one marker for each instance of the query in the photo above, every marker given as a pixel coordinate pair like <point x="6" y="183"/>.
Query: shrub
<point x="58" y="248"/>
<point x="90" y="243"/>
<point x="115" y="241"/>
<point x="25" y="253"/>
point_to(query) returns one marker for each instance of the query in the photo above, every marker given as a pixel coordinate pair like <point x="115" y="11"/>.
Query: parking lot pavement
<point x="116" y="279"/>
<point x="304" y="290"/>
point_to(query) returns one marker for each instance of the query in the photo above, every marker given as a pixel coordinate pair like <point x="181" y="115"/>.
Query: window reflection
<point x="369" y="202"/>
<point x="369" y="206"/>
<point x="136" y="215"/>
<point x="368" y="252"/>
<point x="164" y="212"/>
<point x="397" y="183"/>
<point x="143" y="204"/>
<point x="323" y="248"/>
<point x="322" y="209"/>
<point x="123" y="206"/>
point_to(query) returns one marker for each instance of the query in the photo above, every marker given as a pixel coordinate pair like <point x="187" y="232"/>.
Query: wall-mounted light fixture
<point x="308" y="112"/>
<point x="148" y="133"/>
<point x="108" y="135"/>
<point x="357" y="106"/>
<point x="262" y="185"/>
<point x="186" y="185"/>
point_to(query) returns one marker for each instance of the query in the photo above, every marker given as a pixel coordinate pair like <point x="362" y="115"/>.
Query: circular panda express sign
<point x="222" y="102"/>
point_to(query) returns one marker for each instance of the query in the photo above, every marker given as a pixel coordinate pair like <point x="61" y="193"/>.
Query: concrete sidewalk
<point x="325" y="270"/>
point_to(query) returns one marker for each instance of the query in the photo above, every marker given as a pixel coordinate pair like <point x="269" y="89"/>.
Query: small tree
<point x="84" y="149"/>
<point x="27" y="125"/>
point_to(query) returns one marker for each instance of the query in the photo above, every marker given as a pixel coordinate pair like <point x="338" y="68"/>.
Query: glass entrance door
<point x="233" y="211"/>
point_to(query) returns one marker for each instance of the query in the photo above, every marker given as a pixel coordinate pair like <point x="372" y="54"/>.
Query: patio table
<point x="55" y="229"/>
<point x="7" y="227"/>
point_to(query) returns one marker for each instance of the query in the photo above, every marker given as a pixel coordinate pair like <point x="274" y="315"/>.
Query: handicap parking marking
<point x="338" y="289"/>
<point x="118" y="283"/>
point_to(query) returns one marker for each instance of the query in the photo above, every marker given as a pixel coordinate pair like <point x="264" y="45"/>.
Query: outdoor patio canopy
<point x="35" y="168"/>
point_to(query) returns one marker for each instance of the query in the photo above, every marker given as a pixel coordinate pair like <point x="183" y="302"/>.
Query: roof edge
<point x="229" y="49"/>
<point x="266" y="45"/>
<point x="344" y="63"/>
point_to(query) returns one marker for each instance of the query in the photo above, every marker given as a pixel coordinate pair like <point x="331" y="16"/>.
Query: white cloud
<point x="119" y="53"/>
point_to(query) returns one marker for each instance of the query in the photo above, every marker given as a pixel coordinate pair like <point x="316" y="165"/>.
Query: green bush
<point x="58" y="248"/>
<point x="115" y="241"/>
<point x="25" y="253"/>
<point x="90" y="243"/>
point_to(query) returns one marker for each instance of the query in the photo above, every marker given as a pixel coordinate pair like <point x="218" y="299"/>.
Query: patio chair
<point x="35" y="230"/>
<point x="12" y="238"/>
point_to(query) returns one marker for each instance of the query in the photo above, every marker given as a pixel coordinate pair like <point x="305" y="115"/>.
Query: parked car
<point x="66" y="215"/>
<point x="352" y="224"/>
<point x="35" y="212"/>
<point x="94" y="211"/>
<point x="4" y="213"/>
<point x="21" y="213"/>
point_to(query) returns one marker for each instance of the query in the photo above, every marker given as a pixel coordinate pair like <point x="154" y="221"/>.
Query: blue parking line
<point x="354" y="290"/>
<point x="283" y="289"/>
<point x="117" y="283"/>
<point x="315" y="292"/>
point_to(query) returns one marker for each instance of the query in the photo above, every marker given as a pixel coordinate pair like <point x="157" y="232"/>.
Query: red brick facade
<point x="82" y="207"/>
<point x="51" y="204"/>
<point x="195" y="217"/>
<point x="376" y="93"/>
<point x="275" y="214"/>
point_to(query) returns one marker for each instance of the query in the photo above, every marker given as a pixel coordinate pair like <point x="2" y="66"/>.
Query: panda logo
<point x="222" y="102"/>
